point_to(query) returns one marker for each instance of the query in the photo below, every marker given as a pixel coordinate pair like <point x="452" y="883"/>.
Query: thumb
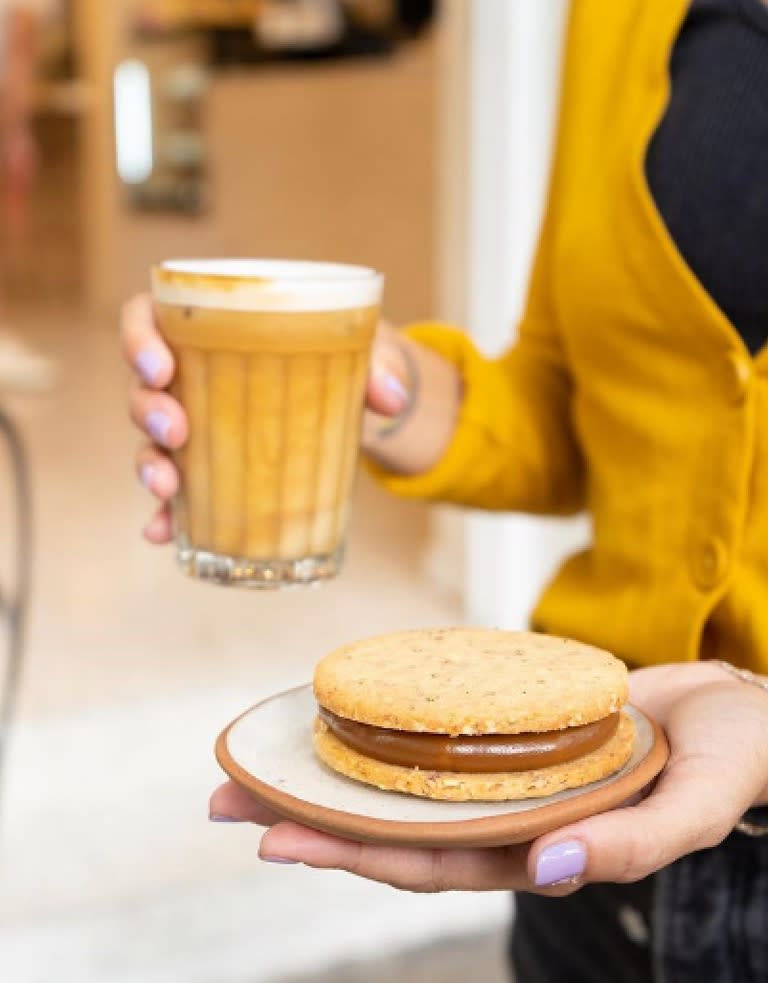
<point x="389" y="386"/>
<point x="685" y="812"/>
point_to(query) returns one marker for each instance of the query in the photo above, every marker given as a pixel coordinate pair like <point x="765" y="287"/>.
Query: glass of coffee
<point x="271" y="365"/>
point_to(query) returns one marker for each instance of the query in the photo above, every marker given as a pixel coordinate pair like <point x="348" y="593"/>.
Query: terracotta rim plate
<point x="268" y="751"/>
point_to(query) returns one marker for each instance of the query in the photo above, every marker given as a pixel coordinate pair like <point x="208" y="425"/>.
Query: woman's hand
<point x="718" y="768"/>
<point x="154" y="412"/>
<point x="160" y="417"/>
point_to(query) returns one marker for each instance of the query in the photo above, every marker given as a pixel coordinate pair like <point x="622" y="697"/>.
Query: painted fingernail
<point x="148" y="473"/>
<point x="560" y="863"/>
<point x="278" y="860"/>
<point x="149" y="363"/>
<point x="158" y="425"/>
<point x="387" y="380"/>
<point x="395" y="386"/>
<point x="216" y="817"/>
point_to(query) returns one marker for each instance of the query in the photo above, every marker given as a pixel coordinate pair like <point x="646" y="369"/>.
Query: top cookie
<point x="470" y="681"/>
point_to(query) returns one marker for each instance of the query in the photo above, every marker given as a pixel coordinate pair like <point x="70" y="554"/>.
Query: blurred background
<point x="411" y="136"/>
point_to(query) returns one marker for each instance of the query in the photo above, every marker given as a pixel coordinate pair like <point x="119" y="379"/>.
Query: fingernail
<point x="218" y="818"/>
<point x="387" y="380"/>
<point x="394" y="385"/>
<point x="158" y="425"/>
<point x="560" y="862"/>
<point x="278" y="860"/>
<point x="149" y="363"/>
<point x="148" y="473"/>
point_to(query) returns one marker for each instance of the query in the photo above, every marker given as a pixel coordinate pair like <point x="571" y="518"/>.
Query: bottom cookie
<point x="462" y="787"/>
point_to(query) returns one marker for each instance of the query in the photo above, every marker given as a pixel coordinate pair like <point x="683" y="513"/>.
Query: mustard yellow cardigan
<point x="629" y="393"/>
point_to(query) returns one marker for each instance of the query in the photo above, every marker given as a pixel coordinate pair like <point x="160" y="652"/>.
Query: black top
<point x="707" y="164"/>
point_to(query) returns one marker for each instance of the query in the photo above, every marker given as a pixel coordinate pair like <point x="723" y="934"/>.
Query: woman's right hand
<point x="163" y="421"/>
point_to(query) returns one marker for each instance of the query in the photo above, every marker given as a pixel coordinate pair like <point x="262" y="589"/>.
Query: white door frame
<point x="497" y="139"/>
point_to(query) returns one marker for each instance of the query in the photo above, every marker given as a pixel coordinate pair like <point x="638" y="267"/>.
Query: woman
<point x="636" y="390"/>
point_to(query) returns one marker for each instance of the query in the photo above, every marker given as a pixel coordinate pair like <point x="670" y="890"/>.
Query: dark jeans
<point x="702" y="920"/>
<point x="584" y="938"/>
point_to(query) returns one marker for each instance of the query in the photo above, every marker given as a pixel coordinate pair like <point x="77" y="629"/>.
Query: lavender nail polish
<point x="218" y="818"/>
<point x="148" y="473"/>
<point x="560" y="862"/>
<point x="149" y="363"/>
<point x="278" y="860"/>
<point x="158" y="425"/>
<point x="395" y="386"/>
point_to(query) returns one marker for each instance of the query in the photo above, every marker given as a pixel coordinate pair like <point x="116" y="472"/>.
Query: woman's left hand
<point x="718" y="732"/>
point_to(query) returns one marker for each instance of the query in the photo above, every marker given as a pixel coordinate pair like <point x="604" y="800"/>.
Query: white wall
<point x="514" y="68"/>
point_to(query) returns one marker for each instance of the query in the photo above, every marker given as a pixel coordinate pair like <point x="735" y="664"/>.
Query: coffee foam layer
<point x="265" y="285"/>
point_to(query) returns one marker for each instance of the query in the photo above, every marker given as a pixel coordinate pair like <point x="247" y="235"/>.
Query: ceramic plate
<point x="268" y="751"/>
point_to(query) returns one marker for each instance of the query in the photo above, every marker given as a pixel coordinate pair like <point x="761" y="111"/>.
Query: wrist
<point x="748" y="824"/>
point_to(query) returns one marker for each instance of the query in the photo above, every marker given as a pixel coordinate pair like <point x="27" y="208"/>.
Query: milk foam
<point x="265" y="285"/>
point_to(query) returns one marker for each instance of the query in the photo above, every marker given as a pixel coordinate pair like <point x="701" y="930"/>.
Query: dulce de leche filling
<point x="486" y="753"/>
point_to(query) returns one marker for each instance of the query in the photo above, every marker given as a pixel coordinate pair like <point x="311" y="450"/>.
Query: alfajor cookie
<point x="472" y="714"/>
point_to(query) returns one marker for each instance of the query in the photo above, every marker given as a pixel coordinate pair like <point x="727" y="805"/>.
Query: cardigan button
<point x="739" y="377"/>
<point x="710" y="562"/>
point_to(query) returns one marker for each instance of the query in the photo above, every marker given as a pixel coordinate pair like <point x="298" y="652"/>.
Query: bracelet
<point x="743" y="674"/>
<point x="413" y="385"/>
<point x="746" y="825"/>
